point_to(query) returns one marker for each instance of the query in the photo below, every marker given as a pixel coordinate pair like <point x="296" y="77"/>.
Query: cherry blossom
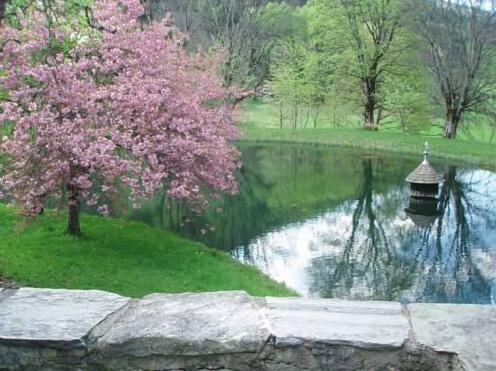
<point x="121" y="105"/>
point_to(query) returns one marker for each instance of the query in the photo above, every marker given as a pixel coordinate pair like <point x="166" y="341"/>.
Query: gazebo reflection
<point x="423" y="212"/>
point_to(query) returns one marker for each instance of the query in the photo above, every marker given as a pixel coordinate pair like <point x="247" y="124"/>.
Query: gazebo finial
<point x="426" y="152"/>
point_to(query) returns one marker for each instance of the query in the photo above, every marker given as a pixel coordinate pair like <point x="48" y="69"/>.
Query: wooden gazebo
<point x="424" y="180"/>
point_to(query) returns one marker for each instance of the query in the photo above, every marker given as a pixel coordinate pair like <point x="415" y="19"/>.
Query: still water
<point x="338" y="223"/>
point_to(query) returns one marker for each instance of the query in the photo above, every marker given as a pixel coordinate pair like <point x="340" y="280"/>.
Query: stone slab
<point x="467" y="330"/>
<point x="368" y="325"/>
<point x="185" y="325"/>
<point x="59" y="318"/>
<point x="92" y="330"/>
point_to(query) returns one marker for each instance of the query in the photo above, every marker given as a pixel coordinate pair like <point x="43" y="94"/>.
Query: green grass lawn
<point x="258" y="123"/>
<point x="124" y="257"/>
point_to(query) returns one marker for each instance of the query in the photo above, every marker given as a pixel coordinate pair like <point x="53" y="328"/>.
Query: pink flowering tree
<point x="109" y="103"/>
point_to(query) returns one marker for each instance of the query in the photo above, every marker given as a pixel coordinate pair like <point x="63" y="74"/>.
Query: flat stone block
<point x="368" y="325"/>
<point x="466" y="330"/>
<point x="59" y="318"/>
<point x="185" y="325"/>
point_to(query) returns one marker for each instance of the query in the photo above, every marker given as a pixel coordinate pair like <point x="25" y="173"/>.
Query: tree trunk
<point x="368" y="116"/>
<point x="451" y="125"/>
<point x="370" y="105"/>
<point x="379" y="116"/>
<point x="295" y="115"/>
<point x="307" y="118"/>
<point x="316" y="117"/>
<point x="73" y="225"/>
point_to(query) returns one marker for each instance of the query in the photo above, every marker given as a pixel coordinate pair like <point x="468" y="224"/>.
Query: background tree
<point x="246" y="30"/>
<point x="100" y="101"/>
<point x="290" y="83"/>
<point x="407" y="90"/>
<point x="462" y="40"/>
<point x="370" y="27"/>
<point x="407" y="106"/>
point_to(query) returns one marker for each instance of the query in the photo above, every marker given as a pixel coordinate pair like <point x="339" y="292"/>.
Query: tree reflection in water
<point x="331" y="222"/>
<point x="429" y="262"/>
<point x="366" y="266"/>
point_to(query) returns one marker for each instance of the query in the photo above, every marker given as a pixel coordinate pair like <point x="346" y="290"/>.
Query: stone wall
<point x="94" y="330"/>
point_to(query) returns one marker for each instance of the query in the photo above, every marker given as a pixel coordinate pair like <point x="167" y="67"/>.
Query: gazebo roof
<point x="425" y="172"/>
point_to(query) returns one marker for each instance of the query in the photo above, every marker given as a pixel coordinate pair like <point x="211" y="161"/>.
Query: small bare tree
<point x="247" y="36"/>
<point x="461" y="35"/>
<point x="243" y="28"/>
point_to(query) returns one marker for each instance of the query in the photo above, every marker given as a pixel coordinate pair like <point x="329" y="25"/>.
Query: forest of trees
<point x="414" y="63"/>
<point x="407" y="63"/>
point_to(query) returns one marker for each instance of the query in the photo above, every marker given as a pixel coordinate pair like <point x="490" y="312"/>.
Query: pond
<point x="339" y="223"/>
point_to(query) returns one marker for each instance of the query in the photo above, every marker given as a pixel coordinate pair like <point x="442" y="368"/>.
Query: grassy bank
<point x="258" y="123"/>
<point x="482" y="154"/>
<point x="128" y="258"/>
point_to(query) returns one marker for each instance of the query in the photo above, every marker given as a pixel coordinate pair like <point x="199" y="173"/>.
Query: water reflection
<point x="423" y="211"/>
<point x="332" y="223"/>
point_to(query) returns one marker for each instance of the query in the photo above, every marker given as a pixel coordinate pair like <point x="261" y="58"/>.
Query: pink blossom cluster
<point x="125" y="106"/>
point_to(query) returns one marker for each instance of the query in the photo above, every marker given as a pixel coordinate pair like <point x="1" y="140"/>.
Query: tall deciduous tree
<point x="100" y="101"/>
<point x="462" y="39"/>
<point x="370" y="27"/>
